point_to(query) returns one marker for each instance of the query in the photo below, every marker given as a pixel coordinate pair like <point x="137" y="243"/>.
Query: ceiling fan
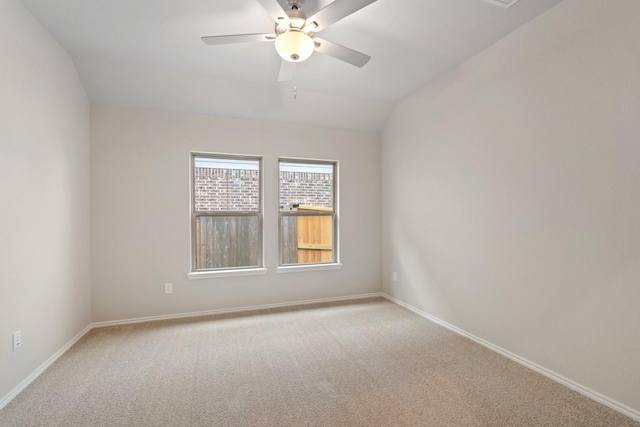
<point x="295" y="32"/>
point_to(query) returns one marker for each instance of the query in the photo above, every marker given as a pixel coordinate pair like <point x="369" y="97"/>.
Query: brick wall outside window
<point x="304" y="188"/>
<point x="226" y="189"/>
<point x="238" y="189"/>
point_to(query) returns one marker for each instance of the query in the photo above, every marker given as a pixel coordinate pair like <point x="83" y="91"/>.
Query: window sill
<point x="226" y="273"/>
<point x="308" y="267"/>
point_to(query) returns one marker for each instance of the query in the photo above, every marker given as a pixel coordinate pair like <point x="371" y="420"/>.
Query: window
<point x="226" y="213"/>
<point x="308" y="215"/>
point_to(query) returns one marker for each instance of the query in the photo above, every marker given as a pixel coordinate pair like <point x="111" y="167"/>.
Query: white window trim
<point x="226" y="273"/>
<point x="233" y="271"/>
<point x="336" y="264"/>
<point x="302" y="268"/>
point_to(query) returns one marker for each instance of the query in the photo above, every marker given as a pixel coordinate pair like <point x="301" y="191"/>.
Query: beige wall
<point x="44" y="196"/>
<point x="140" y="221"/>
<point x="511" y="203"/>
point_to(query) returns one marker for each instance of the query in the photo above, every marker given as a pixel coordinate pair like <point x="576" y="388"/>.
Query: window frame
<point x="335" y="262"/>
<point x="195" y="214"/>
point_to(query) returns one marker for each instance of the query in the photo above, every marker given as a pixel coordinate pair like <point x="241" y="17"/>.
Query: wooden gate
<point x="307" y="239"/>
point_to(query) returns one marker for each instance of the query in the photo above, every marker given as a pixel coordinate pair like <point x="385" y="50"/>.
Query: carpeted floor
<point x="362" y="363"/>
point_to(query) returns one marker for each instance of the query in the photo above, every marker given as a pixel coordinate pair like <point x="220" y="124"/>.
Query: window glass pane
<point x="306" y="239"/>
<point x="227" y="241"/>
<point x="308" y="185"/>
<point x="231" y="185"/>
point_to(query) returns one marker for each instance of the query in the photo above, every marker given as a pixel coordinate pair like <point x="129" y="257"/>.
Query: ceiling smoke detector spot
<point x="502" y="3"/>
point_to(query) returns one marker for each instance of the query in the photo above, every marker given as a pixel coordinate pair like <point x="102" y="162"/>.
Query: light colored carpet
<point x="364" y="363"/>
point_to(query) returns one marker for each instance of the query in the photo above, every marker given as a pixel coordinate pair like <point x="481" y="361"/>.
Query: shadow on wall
<point x="415" y="281"/>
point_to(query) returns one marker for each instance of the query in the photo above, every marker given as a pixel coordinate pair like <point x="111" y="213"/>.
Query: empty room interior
<point x="348" y="212"/>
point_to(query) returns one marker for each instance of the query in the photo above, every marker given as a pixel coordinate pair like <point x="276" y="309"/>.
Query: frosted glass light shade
<point x="294" y="46"/>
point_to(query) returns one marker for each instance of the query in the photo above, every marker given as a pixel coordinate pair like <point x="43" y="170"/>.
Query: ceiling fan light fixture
<point x="310" y="27"/>
<point x="294" y="46"/>
<point x="282" y="25"/>
<point x="296" y="22"/>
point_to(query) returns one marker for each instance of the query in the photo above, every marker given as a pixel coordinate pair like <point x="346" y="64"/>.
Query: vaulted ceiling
<point x="148" y="53"/>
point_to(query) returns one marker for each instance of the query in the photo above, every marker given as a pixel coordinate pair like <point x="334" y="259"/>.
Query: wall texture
<point x="44" y="196"/>
<point x="140" y="218"/>
<point x="510" y="196"/>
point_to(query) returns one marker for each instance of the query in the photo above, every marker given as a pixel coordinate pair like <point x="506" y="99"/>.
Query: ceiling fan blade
<point x="275" y="10"/>
<point x="287" y="70"/>
<point x="238" y="38"/>
<point x="335" y="11"/>
<point x="342" y="53"/>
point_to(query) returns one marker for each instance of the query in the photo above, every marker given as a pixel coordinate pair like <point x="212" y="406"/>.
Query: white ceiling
<point x="148" y="53"/>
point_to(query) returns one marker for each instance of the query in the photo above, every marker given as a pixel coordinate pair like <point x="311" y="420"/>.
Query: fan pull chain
<point x="295" y="86"/>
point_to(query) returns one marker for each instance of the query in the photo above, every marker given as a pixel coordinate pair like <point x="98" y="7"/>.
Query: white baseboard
<point x="35" y="374"/>
<point x="613" y="404"/>
<point x="233" y="310"/>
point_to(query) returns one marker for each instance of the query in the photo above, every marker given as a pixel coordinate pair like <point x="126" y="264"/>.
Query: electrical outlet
<point x="395" y="276"/>
<point x="17" y="340"/>
<point x="168" y="288"/>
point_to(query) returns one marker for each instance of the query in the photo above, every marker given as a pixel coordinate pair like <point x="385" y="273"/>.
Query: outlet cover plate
<point x="17" y="340"/>
<point x="168" y="288"/>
